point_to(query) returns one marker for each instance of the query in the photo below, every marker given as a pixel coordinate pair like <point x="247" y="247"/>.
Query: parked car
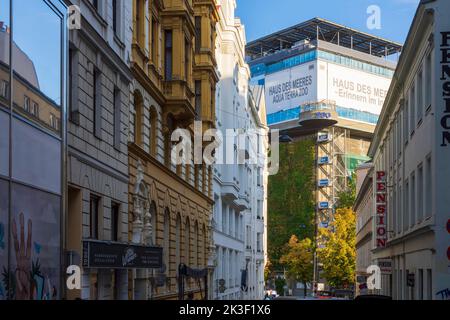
<point x="324" y="295"/>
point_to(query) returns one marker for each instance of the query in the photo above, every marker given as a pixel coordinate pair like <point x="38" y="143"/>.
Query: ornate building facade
<point x="174" y="70"/>
<point x="97" y="163"/>
<point x="239" y="188"/>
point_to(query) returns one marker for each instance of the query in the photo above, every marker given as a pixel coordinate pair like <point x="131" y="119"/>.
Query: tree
<point x="338" y="253"/>
<point x="291" y="197"/>
<point x="298" y="260"/>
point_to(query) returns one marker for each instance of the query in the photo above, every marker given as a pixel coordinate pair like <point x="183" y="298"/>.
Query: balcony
<point x="179" y="100"/>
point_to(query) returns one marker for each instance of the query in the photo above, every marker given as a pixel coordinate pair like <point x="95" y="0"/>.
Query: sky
<point x="37" y="34"/>
<point x="262" y="17"/>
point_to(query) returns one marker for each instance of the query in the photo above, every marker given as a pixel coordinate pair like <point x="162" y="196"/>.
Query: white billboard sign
<point x="353" y="89"/>
<point x="290" y="88"/>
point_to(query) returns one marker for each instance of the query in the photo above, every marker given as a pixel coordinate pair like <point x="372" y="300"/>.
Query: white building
<point x="238" y="188"/>
<point x="411" y="156"/>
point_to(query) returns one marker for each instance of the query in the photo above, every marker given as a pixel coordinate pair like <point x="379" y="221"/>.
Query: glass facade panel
<point x="347" y="113"/>
<point x="37" y="62"/>
<point x="30" y="185"/>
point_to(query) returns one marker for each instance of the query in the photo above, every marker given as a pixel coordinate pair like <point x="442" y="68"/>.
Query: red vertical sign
<point x="381" y="201"/>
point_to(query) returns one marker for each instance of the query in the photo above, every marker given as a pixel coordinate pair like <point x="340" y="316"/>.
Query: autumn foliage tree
<point x="338" y="254"/>
<point x="298" y="260"/>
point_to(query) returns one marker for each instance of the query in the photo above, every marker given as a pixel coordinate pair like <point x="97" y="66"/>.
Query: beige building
<point x="411" y="176"/>
<point x="363" y="208"/>
<point x="174" y="69"/>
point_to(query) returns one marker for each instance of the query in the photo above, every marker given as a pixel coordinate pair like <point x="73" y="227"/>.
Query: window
<point x="35" y="109"/>
<point x="54" y="122"/>
<point x="406" y="122"/>
<point x="153" y="131"/>
<point x="115" y="16"/>
<point x="258" y="242"/>
<point x="139" y="28"/>
<point x="428" y="81"/>
<point x="224" y="217"/>
<point x="429" y="284"/>
<point x="187" y="59"/>
<point x="115" y="220"/>
<point x="155" y="36"/>
<point x="178" y="242"/>
<point x="428" y="187"/>
<point x="138" y="117"/>
<point x="420" y="287"/>
<point x="166" y="239"/>
<point x="412" y="107"/>
<point x="420" y="194"/>
<point x="117" y="115"/>
<point x="97" y="100"/>
<point x="73" y="91"/>
<point x="196" y="254"/>
<point x="198" y="100"/>
<point x="419" y="96"/>
<point x="249" y="237"/>
<point x="4" y="89"/>
<point x="198" y="33"/>
<point x="26" y="104"/>
<point x="187" y="242"/>
<point x="94" y="217"/>
<point x="406" y="207"/>
<point x="412" y="198"/>
<point x="168" y="55"/>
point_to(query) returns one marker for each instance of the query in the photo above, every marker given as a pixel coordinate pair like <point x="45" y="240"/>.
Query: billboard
<point x="351" y="88"/>
<point x="290" y="88"/>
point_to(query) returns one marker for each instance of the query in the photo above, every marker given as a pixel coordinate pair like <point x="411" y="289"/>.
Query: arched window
<point x="178" y="242"/>
<point x="154" y="221"/>
<point x="138" y="117"/>
<point x="153" y="131"/>
<point x="170" y="127"/>
<point x="187" y="242"/>
<point x="205" y="243"/>
<point x="166" y="239"/>
<point x="196" y="246"/>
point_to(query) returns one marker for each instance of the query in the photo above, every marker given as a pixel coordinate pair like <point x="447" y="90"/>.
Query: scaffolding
<point x="331" y="171"/>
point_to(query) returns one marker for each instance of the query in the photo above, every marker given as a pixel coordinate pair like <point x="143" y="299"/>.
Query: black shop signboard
<point x="112" y="255"/>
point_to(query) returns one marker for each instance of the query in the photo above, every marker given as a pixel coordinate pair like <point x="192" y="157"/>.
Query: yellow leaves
<point x="339" y="253"/>
<point x="298" y="258"/>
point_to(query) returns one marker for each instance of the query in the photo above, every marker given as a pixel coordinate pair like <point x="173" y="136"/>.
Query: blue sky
<point x="262" y="17"/>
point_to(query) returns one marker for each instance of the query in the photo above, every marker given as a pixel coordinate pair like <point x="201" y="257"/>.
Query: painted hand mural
<point x="23" y="259"/>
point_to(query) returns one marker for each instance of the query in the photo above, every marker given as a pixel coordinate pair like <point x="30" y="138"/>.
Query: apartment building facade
<point x="174" y="70"/>
<point x="97" y="162"/>
<point x="410" y="156"/>
<point x="238" y="185"/>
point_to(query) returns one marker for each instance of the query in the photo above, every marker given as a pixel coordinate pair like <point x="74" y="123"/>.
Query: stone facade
<point x="97" y="170"/>
<point x="174" y="81"/>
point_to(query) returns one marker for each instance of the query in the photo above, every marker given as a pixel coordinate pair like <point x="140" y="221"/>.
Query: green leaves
<point x="291" y="197"/>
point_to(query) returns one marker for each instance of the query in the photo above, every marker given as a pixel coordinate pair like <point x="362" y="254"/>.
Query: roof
<point x="318" y="28"/>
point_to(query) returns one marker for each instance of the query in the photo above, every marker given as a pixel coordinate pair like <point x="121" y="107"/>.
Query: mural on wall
<point x="35" y="254"/>
<point x="3" y="239"/>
